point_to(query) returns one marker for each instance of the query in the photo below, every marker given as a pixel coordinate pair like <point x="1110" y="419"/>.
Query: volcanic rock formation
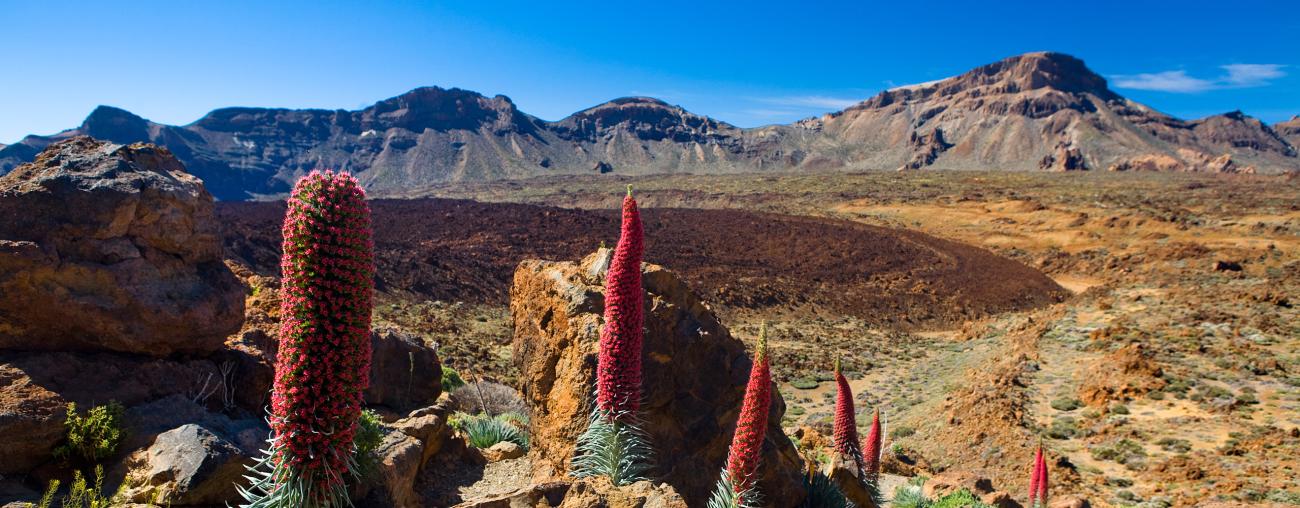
<point x="111" y="247"/>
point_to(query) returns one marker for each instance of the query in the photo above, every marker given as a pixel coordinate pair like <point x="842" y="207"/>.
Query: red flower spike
<point x="1042" y="478"/>
<point x="845" y="425"/>
<point x="323" y="363"/>
<point x="618" y="368"/>
<point x="751" y="428"/>
<point x="1035" y="477"/>
<point x="871" y="451"/>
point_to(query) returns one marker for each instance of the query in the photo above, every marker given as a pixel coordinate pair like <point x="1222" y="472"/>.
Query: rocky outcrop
<point x="111" y="247"/>
<point x="1065" y="157"/>
<point x="1184" y="160"/>
<point x="694" y="377"/>
<point x="406" y="449"/>
<point x="925" y="149"/>
<point x="1289" y="130"/>
<point x="844" y="472"/>
<point x="1121" y="375"/>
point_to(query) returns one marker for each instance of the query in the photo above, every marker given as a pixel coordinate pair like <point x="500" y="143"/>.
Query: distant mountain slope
<point x="1290" y="130"/>
<point x="1033" y="111"/>
<point x="1036" y="111"/>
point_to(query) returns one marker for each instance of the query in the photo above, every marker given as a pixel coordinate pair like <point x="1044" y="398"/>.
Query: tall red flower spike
<point x="618" y="383"/>
<point x="1035" y="479"/>
<point x="1042" y="478"/>
<point x="871" y="451"/>
<point x="845" y="426"/>
<point x="323" y="363"/>
<point x="751" y="429"/>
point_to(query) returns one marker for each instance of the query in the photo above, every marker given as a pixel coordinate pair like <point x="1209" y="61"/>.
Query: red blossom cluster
<point x="871" y="451"/>
<point x="618" y="383"/>
<point x="324" y="358"/>
<point x="1038" y="483"/>
<point x="845" y="429"/>
<point x="751" y="429"/>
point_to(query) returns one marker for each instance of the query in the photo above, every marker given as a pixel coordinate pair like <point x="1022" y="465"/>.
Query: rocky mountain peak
<point x="1290" y="127"/>
<point x="444" y="109"/>
<point x="647" y="118"/>
<point x="1032" y="71"/>
<point x="116" y="125"/>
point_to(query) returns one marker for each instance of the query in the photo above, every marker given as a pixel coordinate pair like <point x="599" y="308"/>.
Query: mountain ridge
<point x="1033" y="111"/>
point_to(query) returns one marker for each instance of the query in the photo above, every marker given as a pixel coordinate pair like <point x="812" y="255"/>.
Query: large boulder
<point x="187" y="466"/>
<point x="404" y="373"/>
<point x="112" y="247"/>
<point x="694" y="377"/>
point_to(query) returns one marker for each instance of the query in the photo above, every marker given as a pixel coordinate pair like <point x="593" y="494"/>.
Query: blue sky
<point x="748" y="63"/>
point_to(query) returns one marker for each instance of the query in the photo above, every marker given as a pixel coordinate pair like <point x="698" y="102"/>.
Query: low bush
<point x="451" y="379"/>
<point x="1175" y="445"/>
<point x="1067" y="404"/>
<point x="489" y="398"/>
<point x="370" y="433"/>
<point x="960" y="499"/>
<point x="94" y="436"/>
<point x="82" y="494"/>
<point x="804" y="383"/>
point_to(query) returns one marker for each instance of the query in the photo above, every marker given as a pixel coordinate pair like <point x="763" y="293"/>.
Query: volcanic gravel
<point x="458" y="250"/>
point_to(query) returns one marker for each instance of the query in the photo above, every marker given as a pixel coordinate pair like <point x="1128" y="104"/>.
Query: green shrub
<point x="370" y="433"/>
<point x="1124" y="451"/>
<point x="901" y="431"/>
<point x="1175" y="445"/>
<point x="911" y="495"/>
<point x="92" y="437"/>
<point x="804" y="383"/>
<point x="451" y="379"/>
<point x="1119" y="409"/>
<point x="959" y="499"/>
<point x="484" y="431"/>
<point x="1064" y="428"/>
<point x="1067" y="404"/>
<point x="82" y="494"/>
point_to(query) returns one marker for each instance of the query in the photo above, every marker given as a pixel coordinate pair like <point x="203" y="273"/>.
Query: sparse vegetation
<point x="94" y="436"/>
<point x="488" y="397"/>
<point x="483" y="431"/>
<point x="370" y="433"/>
<point x="451" y="379"/>
<point x="1066" y="404"/>
<point x="82" y="494"/>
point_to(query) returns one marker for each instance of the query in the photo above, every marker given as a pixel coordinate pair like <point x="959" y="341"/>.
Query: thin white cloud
<point x="1244" y="75"/>
<point x="1235" y="76"/>
<point x="809" y="101"/>
<point x="1168" y="81"/>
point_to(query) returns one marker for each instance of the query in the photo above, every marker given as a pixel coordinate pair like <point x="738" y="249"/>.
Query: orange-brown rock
<point x="694" y="377"/>
<point x="844" y="472"/>
<point x="111" y="247"/>
<point x="1120" y="375"/>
